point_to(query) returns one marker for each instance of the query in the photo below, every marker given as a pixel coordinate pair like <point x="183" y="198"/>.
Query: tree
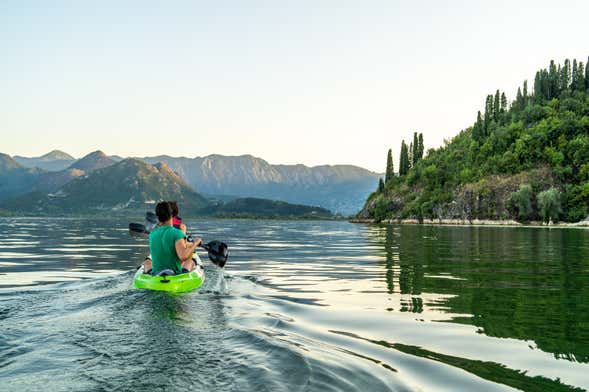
<point x="488" y="114"/>
<point x="497" y="106"/>
<point x="420" y="149"/>
<point x="503" y="103"/>
<point x="525" y="92"/>
<point x="410" y="156"/>
<point x="549" y="204"/>
<point x="521" y="200"/>
<point x="403" y="160"/>
<point x="477" y="130"/>
<point x="579" y="78"/>
<point x="575" y="75"/>
<point x="552" y="79"/>
<point x="415" y="150"/>
<point x="380" y="185"/>
<point x="566" y="75"/>
<point x="587" y="75"/>
<point x="390" y="171"/>
<point x="538" y="88"/>
<point x="519" y="100"/>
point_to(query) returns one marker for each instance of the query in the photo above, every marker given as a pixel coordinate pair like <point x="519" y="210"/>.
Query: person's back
<point x="168" y="246"/>
<point x="163" y="251"/>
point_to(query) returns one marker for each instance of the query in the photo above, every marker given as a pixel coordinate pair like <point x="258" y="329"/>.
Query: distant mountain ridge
<point x="132" y="185"/>
<point x="93" y="161"/>
<point x="16" y="179"/>
<point x="339" y="188"/>
<point x="52" y="161"/>
<point x="128" y="184"/>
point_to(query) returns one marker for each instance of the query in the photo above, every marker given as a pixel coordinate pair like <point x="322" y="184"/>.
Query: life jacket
<point x="176" y="221"/>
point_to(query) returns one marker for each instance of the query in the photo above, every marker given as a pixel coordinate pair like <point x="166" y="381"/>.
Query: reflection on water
<point x="302" y="306"/>
<point x="520" y="283"/>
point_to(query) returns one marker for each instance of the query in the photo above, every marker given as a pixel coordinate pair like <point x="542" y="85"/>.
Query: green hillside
<point x="250" y="207"/>
<point x="527" y="159"/>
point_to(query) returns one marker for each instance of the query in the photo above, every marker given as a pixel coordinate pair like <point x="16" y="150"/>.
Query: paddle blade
<point x="151" y="222"/>
<point x="137" y="228"/>
<point x="218" y="252"/>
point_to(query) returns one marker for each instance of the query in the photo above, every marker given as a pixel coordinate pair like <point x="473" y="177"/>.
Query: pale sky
<point x="312" y="82"/>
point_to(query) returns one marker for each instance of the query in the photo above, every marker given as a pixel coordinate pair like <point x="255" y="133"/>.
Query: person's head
<point x="163" y="210"/>
<point x="174" y="206"/>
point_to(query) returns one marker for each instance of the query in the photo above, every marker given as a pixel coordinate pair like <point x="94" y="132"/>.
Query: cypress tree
<point x="579" y="83"/>
<point x="488" y="114"/>
<point x="525" y="92"/>
<point x="403" y="160"/>
<point x="380" y="185"/>
<point x="519" y="100"/>
<point x="420" y="149"/>
<point x="496" y="106"/>
<point x="503" y="103"/>
<point x="477" y="129"/>
<point x="545" y="81"/>
<point x="566" y="74"/>
<point x="410" y="155"/>
<point x="415" y="149"/>
<point x="587" y="75"/>
<point x="552" y="79"/>
<point x="390" y="172"/>
<point x="537" y="87"/>
<point x="574" y="76"/>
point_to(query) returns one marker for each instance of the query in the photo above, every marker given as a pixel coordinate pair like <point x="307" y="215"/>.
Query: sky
<point x="307" y="81"/>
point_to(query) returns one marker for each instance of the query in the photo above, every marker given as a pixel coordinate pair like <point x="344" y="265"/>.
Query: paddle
<point x="137" y="228"/>
<point x="218" y="251"/>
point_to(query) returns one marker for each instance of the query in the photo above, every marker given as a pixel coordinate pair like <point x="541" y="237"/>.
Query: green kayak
<point x="180" y="283"/>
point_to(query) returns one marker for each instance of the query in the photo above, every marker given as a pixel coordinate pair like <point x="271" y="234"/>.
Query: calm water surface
<point x="309" y="306"/>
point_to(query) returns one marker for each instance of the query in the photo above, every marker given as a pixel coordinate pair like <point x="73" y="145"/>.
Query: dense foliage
<point x="251" y="207"/>
<point x="539" y="141"/>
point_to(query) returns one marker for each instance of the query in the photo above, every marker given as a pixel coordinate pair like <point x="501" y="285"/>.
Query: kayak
<point x="180" y="283"/>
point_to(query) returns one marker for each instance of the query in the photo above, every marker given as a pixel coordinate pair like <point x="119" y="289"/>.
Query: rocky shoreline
<point x="466" y="222"/>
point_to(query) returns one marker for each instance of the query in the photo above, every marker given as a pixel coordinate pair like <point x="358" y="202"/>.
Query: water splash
<point x="221" y="285"/>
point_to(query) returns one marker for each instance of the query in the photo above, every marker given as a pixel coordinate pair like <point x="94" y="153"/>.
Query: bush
<point x="521" y="201"/>
<point x="549" y="204"/>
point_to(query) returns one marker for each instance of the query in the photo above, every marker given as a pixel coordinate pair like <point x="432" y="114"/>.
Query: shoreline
<point x="473" y="222"/>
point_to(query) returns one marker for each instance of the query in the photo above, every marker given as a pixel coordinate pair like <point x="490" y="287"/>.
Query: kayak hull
<point x="181" y="283"/>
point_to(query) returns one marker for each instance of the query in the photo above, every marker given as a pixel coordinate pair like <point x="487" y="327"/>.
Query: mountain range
<point x="52" y="161"/>
<point x="339" y="188"/>
<point x="127" y="185"/>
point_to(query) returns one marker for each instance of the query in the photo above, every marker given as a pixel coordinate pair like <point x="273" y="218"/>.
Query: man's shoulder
<point x="156" y="231"/>
<point x="177" y="233"/>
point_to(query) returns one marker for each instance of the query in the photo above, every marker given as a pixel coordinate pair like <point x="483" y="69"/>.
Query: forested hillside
<point x="527" y="159"/>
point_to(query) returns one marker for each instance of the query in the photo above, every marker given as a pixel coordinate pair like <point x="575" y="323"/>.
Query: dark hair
<point x="174" y="206"/>
<point x="163" y="210"/>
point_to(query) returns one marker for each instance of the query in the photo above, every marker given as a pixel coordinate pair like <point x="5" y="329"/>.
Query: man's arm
<point x="185" y="249"/>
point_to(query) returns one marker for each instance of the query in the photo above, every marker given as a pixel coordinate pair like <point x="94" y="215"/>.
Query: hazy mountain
<point x="340" y="188"/>
<point x="93" y="161"/>
<point x="16" y="179"/>
<point x="52" y="161"/>
<point x="52" y="181"/>
<point x="134" y="186"/>
<point x="130" y="184"/>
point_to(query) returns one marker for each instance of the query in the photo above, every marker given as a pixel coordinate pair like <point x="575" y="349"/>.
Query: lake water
<point x="309" y="306"/>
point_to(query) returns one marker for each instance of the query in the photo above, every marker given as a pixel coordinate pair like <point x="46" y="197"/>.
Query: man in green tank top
<point x="168" y="246"/>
